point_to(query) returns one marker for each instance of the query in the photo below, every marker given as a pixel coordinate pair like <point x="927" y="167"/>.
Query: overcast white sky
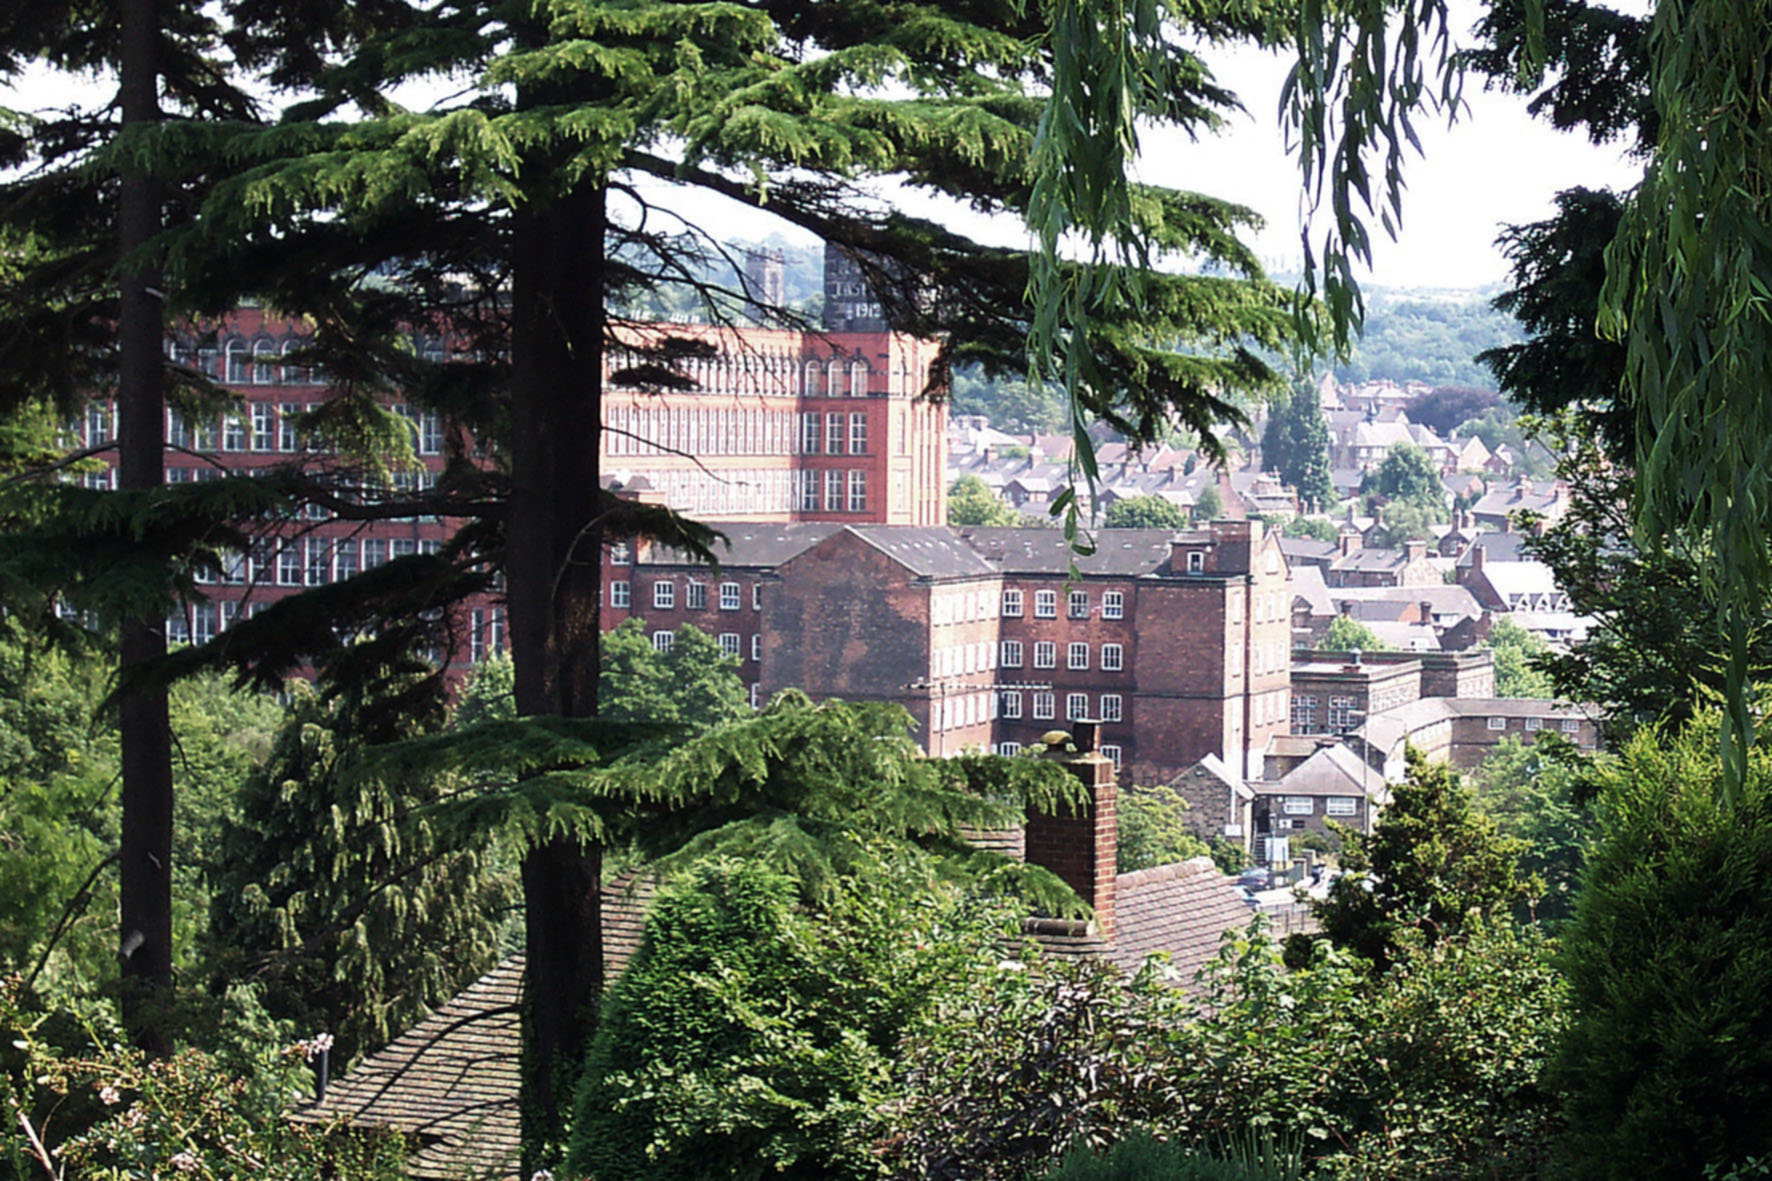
<point x="1494" y="167"/>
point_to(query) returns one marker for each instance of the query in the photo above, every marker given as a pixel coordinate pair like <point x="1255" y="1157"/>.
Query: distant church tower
<point x="766" y="277"/>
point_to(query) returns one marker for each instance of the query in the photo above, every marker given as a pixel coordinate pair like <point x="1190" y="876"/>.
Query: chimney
<point x="1082" y="848"/>
<point x="1414" y="551"/>
<point x="1477" y="558"/>
<point x="1349" y="542"/>
<point x="1427" y="610"/>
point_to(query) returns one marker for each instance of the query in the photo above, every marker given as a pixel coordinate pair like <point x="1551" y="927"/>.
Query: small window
<point x="1010" y="704"/>
<point x="1113" y="605"/>
<point x="1113" y="658"/>
<point x="756" y="645"/>
<point x="1110" y="707"/>
<point x="1043" y="703"/>
<point x="695" y="596"/>
<point x="1341" y="806"/>
<point x="1011" y="654"/>
<point x="1298" y="805"/>
<point x="1196" y="562"/>
<point x="1076" y="706"/>
<point x="1571" y="725"/>
<point x="618" y="594"/>
<point x="1012" y="604"/>
<point x="664" y="596"/>
<point x="1009" y="748"/>
<point x="662" y="640"/>
<point x="729" y="643"/>
<point x="1111" y="753"/>
<point x="1045" y="654"/>
<point x="729" y="599"/>
<point x="1077" y="657"/>
<point x="1534" y="723"/>
<point x="1497" y="723"/>
<point x="1045" y="604"/>
<point x="756" y="596"/>
<point x="1078" y="605"/>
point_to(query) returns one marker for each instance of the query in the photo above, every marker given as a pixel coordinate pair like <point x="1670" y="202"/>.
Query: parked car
<point x="1254" y="879"/>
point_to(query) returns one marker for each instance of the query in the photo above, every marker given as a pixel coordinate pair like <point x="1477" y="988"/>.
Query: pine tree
<point x="1295" y="445"/>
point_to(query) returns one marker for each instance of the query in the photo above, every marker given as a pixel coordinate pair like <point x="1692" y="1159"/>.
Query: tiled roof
<point x="1183" y="909"/>
<point x="450" y="1082"/>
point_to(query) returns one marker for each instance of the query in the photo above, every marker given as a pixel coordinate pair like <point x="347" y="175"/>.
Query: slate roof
<point x="929" y="551"/>
<point x="1183" y="909"/>
<point x="450" y="1082"/>
<point x="1329" y="771"/>
<point x="749" y="543"/>
<point x="1128" y="552"/>
<point x="1496" y="547"/>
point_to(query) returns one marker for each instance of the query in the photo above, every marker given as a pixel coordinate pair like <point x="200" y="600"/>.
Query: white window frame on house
<point x="1077" y="605"/>
<point x="858" y="434"/>
<point x="1113" y="604"/>
<point x="1076" y="656"/>
<point x="756" y="695"/>
<point x="620" y="593"/>
<point x="1497" y="723"/>
<point x="264" y="426"/>
<point x="1341" y="806"/>
<point x="1196" y="562"/>
<point x="663" y="640"/>
<point x="1113" y="658"/>
<point x="289" y="564"/>
<point x="730" y="644"/>
<point x="1111" y="752"/>
<point x="756" y="646"/>
<point x="1304" y="713"/>
<point x="1076" y="706"/>
<point x="1011" y="654"/>
<point x="233" y="433"/>
<point x="1340" y="717"/>
<point x="1009" y="704"/>
<point x="1534" y="723"/>
<point x="729" y="596"/>
<point x="810" y="432"/>
<point x="1009" y="749"/>
<point x="695" y="596"/>
<point x="833" y="490"/>
<point x="1045" y="604"/>
<point x="1298" y="805"/>
<point x="756" y="596"/>
<point x="1045" y="654"/>
<point x="1111" y="707"/>
<point x="1045" y="702"/>
<point x="1571" y="725"/>
<point x="664" y="595"/>
<point x="833" y="433"/>
<point x="1012" y="602"/>
<point x="858" y="490"/>
<point x="288" y="441"/>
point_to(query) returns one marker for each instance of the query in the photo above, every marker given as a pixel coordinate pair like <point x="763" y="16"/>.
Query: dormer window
<point x="1196" y="562"/>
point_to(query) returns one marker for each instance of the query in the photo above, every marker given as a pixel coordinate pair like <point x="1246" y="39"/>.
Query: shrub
<point x="1668" y="1060"/>
<point x="1142" y="1157"/>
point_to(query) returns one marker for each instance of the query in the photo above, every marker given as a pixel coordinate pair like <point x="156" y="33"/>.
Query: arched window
<point x="292" y="374"/>
<point x="263" y="353"/>
<point x="858" y="379"/>
<point x="834" y="377"/>
<point x="239" y="363"/>
<point x="812" y="372"/>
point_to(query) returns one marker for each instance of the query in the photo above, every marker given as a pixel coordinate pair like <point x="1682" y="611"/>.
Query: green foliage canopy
<point x="1295" y="444"/>
<point x="971" y="502"/>
<point x="1145" y="512"/>
<point x="1519" y="660"/>
<point x="1346" y="634"/>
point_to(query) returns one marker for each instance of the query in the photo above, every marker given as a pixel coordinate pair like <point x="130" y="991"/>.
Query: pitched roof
<point x="929" y="551"/>
<point x="1182" y="909"/>
<point x="1330" y="771"/>
<point x="1044" y="551"/>
<point x="748" y="543"/>
<point x="451" y="1081"/>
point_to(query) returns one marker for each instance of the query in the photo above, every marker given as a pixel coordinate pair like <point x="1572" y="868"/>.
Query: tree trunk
<point x="553" y="575"/>
<point x="145" y="856"/>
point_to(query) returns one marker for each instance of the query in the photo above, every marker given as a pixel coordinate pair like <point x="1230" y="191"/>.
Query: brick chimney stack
<point x="1083" y="848"/>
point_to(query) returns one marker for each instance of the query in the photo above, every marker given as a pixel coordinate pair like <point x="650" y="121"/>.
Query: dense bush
<point x="1668" y="1062"/>
<point x="1142" y="1157"/>
<point x="751" y="1038"/>
<point x="1431" y="1069"/>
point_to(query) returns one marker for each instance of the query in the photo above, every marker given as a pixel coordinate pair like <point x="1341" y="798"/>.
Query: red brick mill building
<point x="1179" y="644"/>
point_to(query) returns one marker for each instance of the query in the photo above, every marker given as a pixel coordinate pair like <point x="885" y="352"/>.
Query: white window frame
<point x="1112" y="707"/>
<point x="1113" y="604"/>
<point x="1045" y="702"/>
<point x="1009" y="704"/>
<point x="1076" y="707"/>
<point x="1077" y="605"/>
<point x="1046" y="604"/>
<point x="730" y="644"/>
<point x="1341" y="806"/>
<point x="662" y="640"/>
<point x="1012" y="602"/>
<point x="1045" y="654"/>
<point x="1011" y="654"/>
<point x="1113" y="658"/>
<point x="695" y="596"/>
<point x="1571" y="725"/>
<point x="1196" y="562"/>
<point x="1534" y="723"/>
<point x="729" y="596"/>
<point x="1076" y="656"/>
<point x="756" y="646"/>
<point x="664" y="595"/>
<point x="1111" y="752"/>
<point x="1298" y="805"/>
<point x="1497" y="723"/>
<point x="621" y="593"/>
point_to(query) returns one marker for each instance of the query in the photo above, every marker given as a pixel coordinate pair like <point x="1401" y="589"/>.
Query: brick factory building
<point x="1179" y="644"/>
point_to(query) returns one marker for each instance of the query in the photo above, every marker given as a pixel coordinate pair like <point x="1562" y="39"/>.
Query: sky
<point x="1494" y="167"/>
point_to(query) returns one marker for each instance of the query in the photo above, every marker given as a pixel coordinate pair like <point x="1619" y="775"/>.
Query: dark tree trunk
<point x="553" y="576"/>
<point x="145" y="856"/>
